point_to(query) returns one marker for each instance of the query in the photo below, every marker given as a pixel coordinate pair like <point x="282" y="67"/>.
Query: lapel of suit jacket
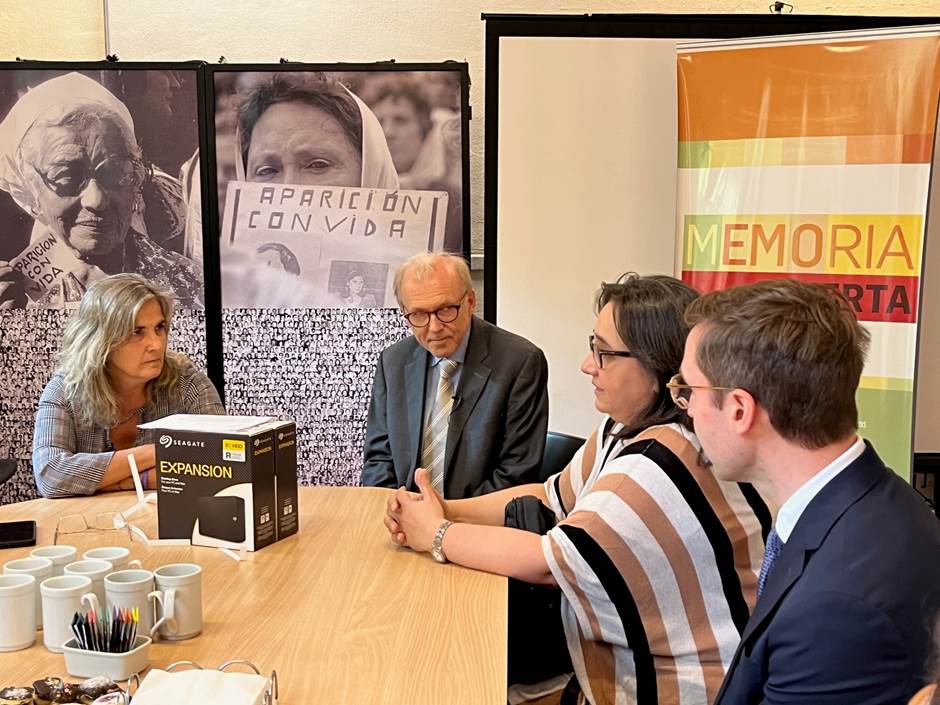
<point x="833" y="500"/>
<point x="415" y="374"/>
<point x="473" y="378"/>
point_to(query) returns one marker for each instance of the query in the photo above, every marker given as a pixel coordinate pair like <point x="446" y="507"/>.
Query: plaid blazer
<point x="70" y="457"/>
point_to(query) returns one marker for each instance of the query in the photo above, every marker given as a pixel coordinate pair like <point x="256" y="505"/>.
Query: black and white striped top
<point x="658" y="563"/>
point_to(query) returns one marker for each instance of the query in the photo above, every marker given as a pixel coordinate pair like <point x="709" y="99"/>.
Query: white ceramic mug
<point x="179" y="595"/>
<point x="39" y="568"/>
<point x="118" y="556"/>
<point x="62" y="597"/>
<point x="131" y="588"/>
<point x="17" y="611"/>
<point x="94" y="569"/>
<point x="60" y="556"/>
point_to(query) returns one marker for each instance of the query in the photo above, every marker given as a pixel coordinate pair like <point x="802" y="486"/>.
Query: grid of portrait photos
<point x="133" y="131"/>
<point x="326" y="182"/>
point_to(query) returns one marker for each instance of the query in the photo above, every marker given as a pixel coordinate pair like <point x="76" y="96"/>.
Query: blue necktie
<point x="771" y="551"/>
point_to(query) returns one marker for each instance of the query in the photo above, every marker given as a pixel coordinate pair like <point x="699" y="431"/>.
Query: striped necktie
<point x="435" y="433"/>
<point x="771" y="551"/>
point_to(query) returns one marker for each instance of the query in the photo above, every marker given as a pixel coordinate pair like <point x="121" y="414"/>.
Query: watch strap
<point x="437" y="545"/>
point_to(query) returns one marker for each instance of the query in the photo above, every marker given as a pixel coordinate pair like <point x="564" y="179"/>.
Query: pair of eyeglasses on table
<point x="70" y="524"/>
<point x="117" y="521"/>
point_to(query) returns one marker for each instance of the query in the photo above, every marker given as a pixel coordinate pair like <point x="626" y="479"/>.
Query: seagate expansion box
<point x="226" y="481"/>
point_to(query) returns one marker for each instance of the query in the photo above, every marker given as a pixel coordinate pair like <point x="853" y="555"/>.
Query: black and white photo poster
<point x="327" y="181"/>
<point x="96" y="168"/>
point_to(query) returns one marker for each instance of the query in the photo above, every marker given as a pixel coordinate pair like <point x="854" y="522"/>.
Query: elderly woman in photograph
<point x="69" y="157"/>
<point x="305" y="128"/>
<point x="656" y="558"/>
<point x="114" y="373"/>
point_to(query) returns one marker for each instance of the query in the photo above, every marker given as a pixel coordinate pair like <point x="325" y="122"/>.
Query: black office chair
<point x="7" y="469"/>
<point x="537" y="649"/>
<point x="927" y="465"/>
<point x="559" y="450"/>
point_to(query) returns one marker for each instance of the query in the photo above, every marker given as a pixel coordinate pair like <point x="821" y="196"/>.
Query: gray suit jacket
<point x="496" y="434"/>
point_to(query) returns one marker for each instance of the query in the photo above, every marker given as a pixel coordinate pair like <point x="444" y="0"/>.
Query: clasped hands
<point x="412" y="518"/>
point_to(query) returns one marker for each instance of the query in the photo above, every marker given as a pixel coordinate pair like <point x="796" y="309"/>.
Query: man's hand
<point x="413" y="519"/>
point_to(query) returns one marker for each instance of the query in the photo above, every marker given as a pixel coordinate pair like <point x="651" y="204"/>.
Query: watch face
<point x="438" y="555"/>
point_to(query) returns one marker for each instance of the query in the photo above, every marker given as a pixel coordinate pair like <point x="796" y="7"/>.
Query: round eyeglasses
<point x="682" y="393"/>
<point x="113" y="174"/>
<point x="445" y="314"/>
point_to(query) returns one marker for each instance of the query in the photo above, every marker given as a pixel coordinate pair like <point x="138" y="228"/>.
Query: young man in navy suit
<point x="769" y="378"/>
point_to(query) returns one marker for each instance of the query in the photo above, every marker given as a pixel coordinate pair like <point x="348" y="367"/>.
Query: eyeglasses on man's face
<point x="445" y="314"/>
<point x="600" y="353"/>
<point x="682" y="392"/>
<point x="112" y="174"/>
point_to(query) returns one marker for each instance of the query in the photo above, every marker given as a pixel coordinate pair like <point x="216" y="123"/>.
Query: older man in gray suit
<point x="461" y="397"/>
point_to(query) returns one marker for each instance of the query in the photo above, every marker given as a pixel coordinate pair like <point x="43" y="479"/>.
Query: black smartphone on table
<point x="17" y="533"/>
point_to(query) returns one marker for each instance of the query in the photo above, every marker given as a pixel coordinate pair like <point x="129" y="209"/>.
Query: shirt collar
<point x="459" y="354"/>
<point x="794" y="507"/>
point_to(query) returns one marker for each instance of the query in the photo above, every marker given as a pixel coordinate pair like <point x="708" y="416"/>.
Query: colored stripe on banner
<point x="874" y="298"/>
<point x="838" y="88"/>
<point x="791" y="151"/>
<point x="895" y="384"/>
<point x="885" y="417"/>
<point x="865" y="188"/>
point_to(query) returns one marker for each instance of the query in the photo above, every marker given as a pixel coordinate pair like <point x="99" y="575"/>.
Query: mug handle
<point x="91" y="599"/>
<point x="135" y="564"/>
<point x="167" y="600"/>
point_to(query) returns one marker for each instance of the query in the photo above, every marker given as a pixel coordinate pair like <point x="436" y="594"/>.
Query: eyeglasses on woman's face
<point x="112" y="174"/>
<point x="682" y="392"/>
<point x="600" y="353"/>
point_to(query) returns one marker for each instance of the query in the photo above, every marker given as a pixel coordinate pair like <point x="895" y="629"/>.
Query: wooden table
<point x="340" y="612"/>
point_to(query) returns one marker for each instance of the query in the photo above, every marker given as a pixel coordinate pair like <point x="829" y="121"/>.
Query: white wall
<point x="587" y="190"/>
<point x="60" y="30"/>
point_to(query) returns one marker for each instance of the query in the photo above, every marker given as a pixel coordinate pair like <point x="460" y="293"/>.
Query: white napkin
<point x="195" y="687"/>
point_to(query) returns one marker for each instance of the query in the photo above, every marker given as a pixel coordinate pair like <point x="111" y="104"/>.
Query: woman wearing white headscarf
<point x="300" y="128"/>
<point x="304" y="128"/>
<point x="69" y="157"/>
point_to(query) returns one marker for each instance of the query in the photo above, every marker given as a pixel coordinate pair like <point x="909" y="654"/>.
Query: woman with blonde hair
<point x="114" y="373"/>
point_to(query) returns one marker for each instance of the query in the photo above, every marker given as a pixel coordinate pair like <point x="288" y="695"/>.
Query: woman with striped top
<point x="656" y="558"/>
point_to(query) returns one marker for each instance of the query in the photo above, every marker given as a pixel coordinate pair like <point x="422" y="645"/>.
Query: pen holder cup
<point x="117" y="667"/>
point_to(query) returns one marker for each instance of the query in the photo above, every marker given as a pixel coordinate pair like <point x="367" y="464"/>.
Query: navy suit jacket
<point x="496" y="434"/>
<point x="843" y="619"/>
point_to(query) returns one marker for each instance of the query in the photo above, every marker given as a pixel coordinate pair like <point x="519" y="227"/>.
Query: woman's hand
<point x="392" y="510"/>
<point x="413" y="519"/>
<point x="12" y="293"/>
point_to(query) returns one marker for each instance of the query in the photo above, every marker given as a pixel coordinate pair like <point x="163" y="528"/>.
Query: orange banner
<point x="812" y="89"/>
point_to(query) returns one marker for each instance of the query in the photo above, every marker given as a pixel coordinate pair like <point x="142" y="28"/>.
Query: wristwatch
<point x="437" y="549"/>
